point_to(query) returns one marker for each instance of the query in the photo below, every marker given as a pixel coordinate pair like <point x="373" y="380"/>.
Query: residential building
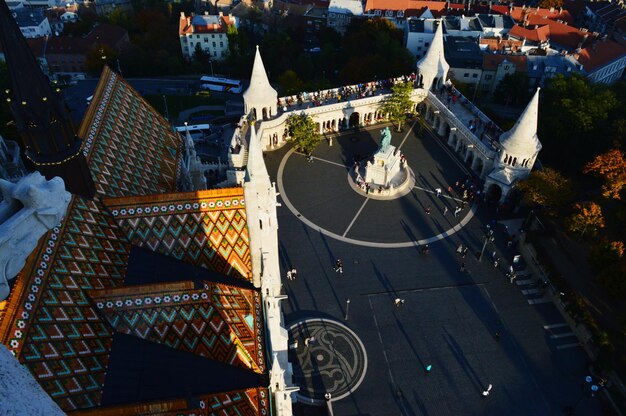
<point x="465" y="59"/>
<point x="603" y="61"/>
<point x="542" y="68"/>
<point x="341" y="13"/>
<point x="208" y="32"/>
<point x="498" y="44"/>
<point x="496" y="67"/>
<point x="602" y="16"/>
<point x="399" y="10"/>
<point x="32" y="22"/>
<point x="104" y="7"/>
<point x="315" y="18"/>
<point x="11" y="165"/>
<point x="420" y="31"/>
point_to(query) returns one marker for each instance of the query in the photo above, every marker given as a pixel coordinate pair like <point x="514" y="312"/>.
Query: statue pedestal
<point x="387" y="178"/>
<point x="385" y="167"/>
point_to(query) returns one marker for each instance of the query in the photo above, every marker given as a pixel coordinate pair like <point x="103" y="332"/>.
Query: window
<point x="488" y="77"/>
<point x="389" y="13"/>
<point x="400" y="13"/>
<point x="377" y="12"/>
<point x="474" y="75"/>
<point x="214" y="45"/>
<point x="506" y="67"/>
<point x="197" y="36"/>
<point x="427" y="44"/>
<point x="213" y="36"/>
<point x="221" y="44"/>
<point x="466" y="75"/>
<point x="206" y="40"/>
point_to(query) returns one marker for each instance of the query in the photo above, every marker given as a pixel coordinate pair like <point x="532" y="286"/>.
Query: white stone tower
<point x="260" y="98"/>
<point x="432" y="69"/>
<point x="260" y="196"/>
<point x="519" y="148"/>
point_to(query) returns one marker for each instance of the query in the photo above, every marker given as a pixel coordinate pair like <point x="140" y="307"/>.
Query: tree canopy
<point x="304" y="132"/>
<point x="399" y="103"/>
<point x="587" y="218"/>
<point x="610" y="166"/>
<point x="547" y="187"/>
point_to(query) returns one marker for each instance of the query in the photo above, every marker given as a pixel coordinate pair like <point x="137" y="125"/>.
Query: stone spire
<point x="256" y="171"/>
<point x="522" y="141"/>
<point x="260" y="96"/>
<point x="433" y="65"/>
<point x="41" y="116"/>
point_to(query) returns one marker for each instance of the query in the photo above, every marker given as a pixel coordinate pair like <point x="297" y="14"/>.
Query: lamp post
<point x="347" y="308"/>
<point x="488" y="237"/>
<point x="211" y="63"/>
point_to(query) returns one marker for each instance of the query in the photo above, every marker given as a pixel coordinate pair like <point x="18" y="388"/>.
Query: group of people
<point x="351" y="91"/>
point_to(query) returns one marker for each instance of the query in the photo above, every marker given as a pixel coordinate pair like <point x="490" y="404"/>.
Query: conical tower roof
<point x="260" y="89"/>
<point x="434" y="64"/>
<point x="256" y="169"/>
<point x="522" y="138"/>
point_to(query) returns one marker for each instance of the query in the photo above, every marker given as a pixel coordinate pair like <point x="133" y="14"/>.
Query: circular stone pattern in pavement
<point x="327" y="357"/>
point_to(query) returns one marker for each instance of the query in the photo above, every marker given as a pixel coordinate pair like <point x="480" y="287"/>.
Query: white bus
<point x="197" y="131"/>
<point x="220" y="84"/>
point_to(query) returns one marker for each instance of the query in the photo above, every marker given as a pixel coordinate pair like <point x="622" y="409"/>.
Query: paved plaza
<point x="461" y="319"/>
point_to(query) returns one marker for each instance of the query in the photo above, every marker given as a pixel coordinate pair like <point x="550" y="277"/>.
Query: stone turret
<point x="519" y="148"/>
<point x="433" y="69"/>
<point x="260" y="98"/>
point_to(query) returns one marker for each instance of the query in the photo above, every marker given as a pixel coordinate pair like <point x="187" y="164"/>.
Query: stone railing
<point x="461" y="128"/>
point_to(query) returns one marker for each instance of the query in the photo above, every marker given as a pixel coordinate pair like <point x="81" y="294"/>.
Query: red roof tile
<point x="492" y="61"/>
<point x="600" y="54"/>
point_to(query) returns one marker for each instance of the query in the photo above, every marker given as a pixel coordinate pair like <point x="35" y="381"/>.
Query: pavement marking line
<point x="423" y="289"/>
<point x="537" y="301"/>
<point x="531" y="291"/>
<point x="573" y="345"/>
<point x="323" y="160"/>
<point x="447" y="233"/>
<point x="442" y="195"/>
<point x="380" y="339"/>
<point x="557" y="336"/>
<point x="407" y="135"/>
<point x="561" y="325"/>
<point x="355" y="217"/>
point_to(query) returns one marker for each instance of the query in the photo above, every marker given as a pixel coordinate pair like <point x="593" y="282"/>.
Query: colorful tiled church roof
<point x="207" y="230"/>
<point x="248" y="402"/>
<point x="218" y="321"/>
<point x="51" y="322"/>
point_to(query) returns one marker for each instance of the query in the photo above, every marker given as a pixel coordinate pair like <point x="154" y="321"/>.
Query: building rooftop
<point x="492" y="61"/>
<point x="600" y="53"/>
<point x="520" y="13"/>
<point x="463" y="52"/>
<point x="353" y="7"/>
<point x="495" y="21"/>
<point x="28" y="16"/>
<point x="501" y="45"/>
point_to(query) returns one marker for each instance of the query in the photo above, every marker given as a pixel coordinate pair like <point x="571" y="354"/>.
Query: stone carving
<point x="30" y="208"/>
<point x="385" y="138"/>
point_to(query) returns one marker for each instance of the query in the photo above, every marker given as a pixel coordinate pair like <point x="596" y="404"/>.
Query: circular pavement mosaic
<point x="327" y="357"/>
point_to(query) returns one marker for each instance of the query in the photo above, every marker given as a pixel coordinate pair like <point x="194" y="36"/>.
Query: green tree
<point x="513" y="89"/>
<point x="399" y="103"/>
<point x="575" y="115"/>
<point x="119" y="17"/>
<point x="547" y="187"/>
<point x="97" y="57"/>
<point x="290" y="83"/>
<point x="586" y="218"/>
<point x="304" y="132"/>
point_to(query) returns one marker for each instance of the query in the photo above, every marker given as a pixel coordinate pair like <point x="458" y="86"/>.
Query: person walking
<point x="462" y="267"/>
<point x="398" y="302"/>
<point x="289" y="275"/>
<point x="445" y="210"/>
<point x="294" y="273"/>
<point x="438" y="191"/>
<point x="338" y="266"/>
<point x="487" y="391"/>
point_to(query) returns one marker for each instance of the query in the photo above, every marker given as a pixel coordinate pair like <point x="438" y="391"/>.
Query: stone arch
<point x="478" y="166"/>
<point x="435" y="85"/>
<point x="469" y="158"/>
<point x="355" y="119"/>
<point x="333" y="125"/>
<point x="453" y="140"/>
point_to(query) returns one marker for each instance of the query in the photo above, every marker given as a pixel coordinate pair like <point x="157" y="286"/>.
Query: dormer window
<point x="377" y="13"/>
<point x="400" y="14"/>
<point x="389" y="13"/>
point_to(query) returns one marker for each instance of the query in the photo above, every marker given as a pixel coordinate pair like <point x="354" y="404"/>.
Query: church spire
<point x="256" y="169"/>
<point x="433" y="68"/>
<point x="522" y="138"/>
<point x="41" y="116"/>
<point x="260" y="97"/>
